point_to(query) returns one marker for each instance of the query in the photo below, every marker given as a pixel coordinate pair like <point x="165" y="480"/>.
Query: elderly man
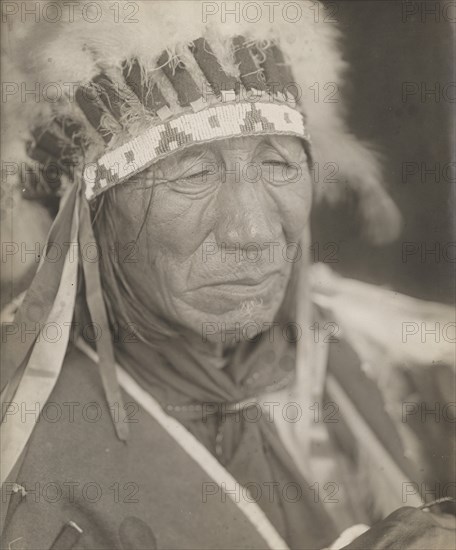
<point x="206" y="386"/>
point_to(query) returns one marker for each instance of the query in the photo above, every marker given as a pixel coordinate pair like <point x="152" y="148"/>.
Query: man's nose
<point x="243" y="216"/>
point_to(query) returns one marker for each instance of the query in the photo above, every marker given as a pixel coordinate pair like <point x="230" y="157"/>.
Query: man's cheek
<point x="180" y="226"/>
<point x="165" y="282"/>
<point x="295" y="219"/>
<point x="172" y="273"/>
<point x="292" y="204"/>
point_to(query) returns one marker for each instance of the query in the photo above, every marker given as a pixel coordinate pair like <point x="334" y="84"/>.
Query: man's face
<point x="213" y="226"/>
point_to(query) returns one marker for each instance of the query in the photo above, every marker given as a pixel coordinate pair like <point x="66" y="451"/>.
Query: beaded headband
<point x="188" y="99"/>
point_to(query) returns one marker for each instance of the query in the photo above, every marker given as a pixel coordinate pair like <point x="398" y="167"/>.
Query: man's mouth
<point x="226" y="294"/>
<point x="247" y="280"/>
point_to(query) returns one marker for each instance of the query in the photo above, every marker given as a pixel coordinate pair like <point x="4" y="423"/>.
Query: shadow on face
<point x="215" y="231"/>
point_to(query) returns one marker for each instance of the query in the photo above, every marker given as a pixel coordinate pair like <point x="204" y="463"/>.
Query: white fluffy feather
<point x="73" y="52"/>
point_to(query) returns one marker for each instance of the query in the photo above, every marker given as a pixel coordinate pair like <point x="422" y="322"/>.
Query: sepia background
<point x="398" y="51"/>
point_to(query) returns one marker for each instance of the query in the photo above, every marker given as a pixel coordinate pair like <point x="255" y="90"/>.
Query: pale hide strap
<point x="43" y="368"/>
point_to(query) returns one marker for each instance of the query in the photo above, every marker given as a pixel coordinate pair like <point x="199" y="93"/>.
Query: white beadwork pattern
<point x="216" y="122"/>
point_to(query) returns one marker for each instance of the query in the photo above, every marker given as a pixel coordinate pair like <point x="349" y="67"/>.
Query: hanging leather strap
<point x="97" y="310"/>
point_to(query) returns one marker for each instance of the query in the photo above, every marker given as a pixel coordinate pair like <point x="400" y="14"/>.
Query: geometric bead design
<point x="219" y="121"/>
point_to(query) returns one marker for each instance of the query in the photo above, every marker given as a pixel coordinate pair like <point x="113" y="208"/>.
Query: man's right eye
<point x="202" y="174"/>
<point x="197" y="180"/>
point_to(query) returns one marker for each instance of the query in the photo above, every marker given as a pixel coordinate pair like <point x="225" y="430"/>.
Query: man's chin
<point x="240" y="323"/>
<point x="233" y="330"/>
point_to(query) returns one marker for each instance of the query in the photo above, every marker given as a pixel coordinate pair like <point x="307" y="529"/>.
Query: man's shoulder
<point x="75" y="469"/>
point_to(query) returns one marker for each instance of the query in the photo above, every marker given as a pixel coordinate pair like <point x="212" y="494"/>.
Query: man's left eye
<point x="280" y="172"/>
<point x="275" y="163"/>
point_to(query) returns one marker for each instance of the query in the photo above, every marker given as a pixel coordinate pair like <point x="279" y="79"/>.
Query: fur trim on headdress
<point x="69" y="53"/>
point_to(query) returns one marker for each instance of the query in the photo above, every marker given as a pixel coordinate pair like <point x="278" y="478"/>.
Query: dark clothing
<point x="148" y="493"/>
<point x="118" y="494"/>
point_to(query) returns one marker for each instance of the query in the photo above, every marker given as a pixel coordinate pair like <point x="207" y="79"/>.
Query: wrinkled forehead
<point x="233" y="155"/>
<point x="228" y="153"/>
<point x="290" y="147"/>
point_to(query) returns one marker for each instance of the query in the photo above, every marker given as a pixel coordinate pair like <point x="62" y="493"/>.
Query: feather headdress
<point x="98" y="94"/>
